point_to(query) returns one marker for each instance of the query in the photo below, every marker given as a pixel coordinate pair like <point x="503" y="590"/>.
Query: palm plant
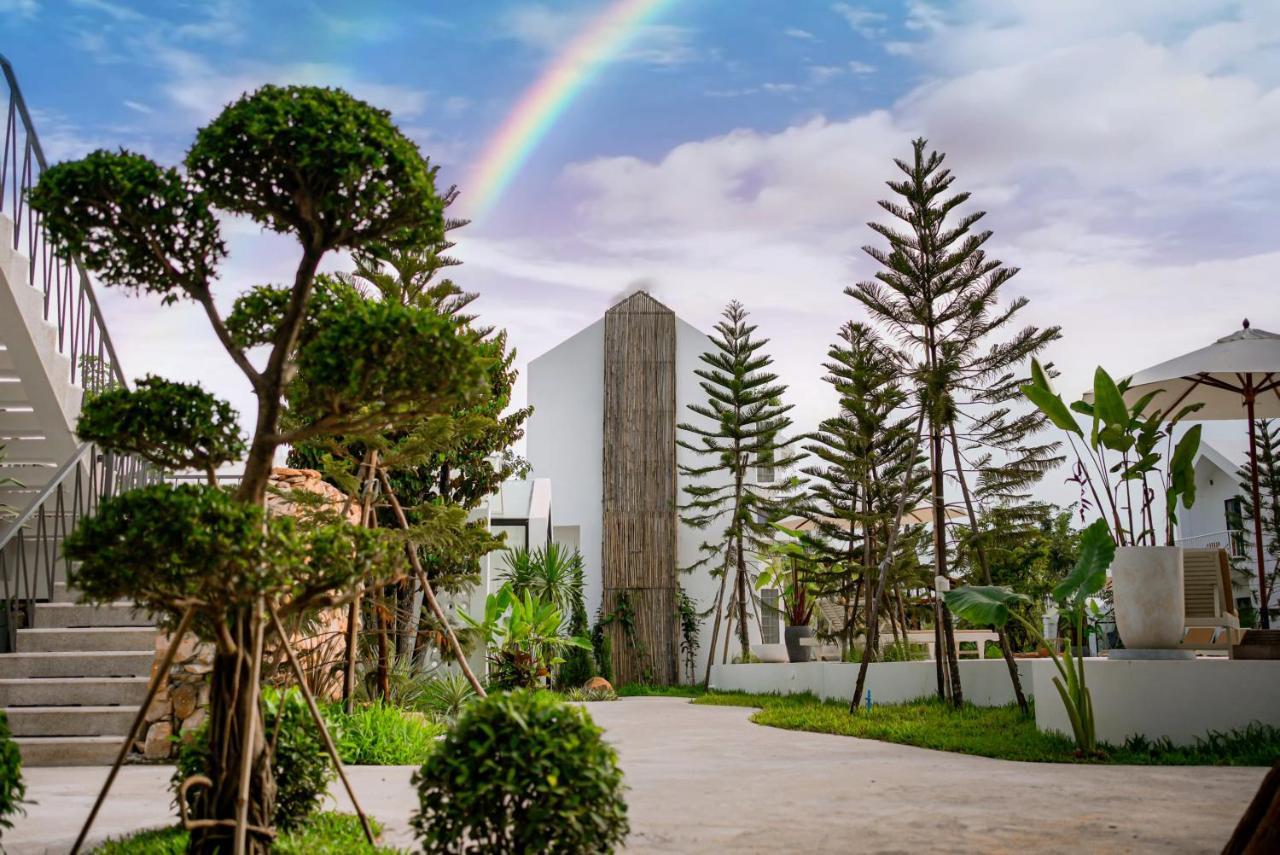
<point x="523" y="636"/>
<point x="445" y="697"/>
<point x="551" y="573"/>
<point x="937" y="292"/>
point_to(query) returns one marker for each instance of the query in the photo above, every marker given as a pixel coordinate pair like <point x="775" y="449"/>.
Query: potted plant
<point x="788" y="572"/>
<point x="1118" y="469"/>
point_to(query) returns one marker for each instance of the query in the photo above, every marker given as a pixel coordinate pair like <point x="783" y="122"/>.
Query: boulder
<point x="597" y="684"/>
<point x="158" y="745"/>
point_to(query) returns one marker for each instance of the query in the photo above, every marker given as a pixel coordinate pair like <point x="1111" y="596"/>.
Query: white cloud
<point x="1124" y="153"/>
<point x="797" y="33"/>
<point x="856" y="67"/>
<point x="550" y="30"/>
<point x="138" y="107"/>
<point x="823" y="73"/>
<point x="865" y="22"/>
<point x="19" y="8"/>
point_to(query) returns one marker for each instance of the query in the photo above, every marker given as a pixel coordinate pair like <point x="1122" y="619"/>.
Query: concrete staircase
<point x="73" y="686"/>
<point x="74" y="675"/>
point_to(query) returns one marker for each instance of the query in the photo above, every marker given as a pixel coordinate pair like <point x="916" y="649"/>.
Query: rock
<point x="159" y="707"/>
<point x="185" y="700"/>
<point x="597" y="684"/>
<point x="158" y="745"/>
<point x="192" y="724"/>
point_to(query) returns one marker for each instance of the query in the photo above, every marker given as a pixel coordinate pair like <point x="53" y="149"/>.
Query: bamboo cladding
<point x="639" y="488"/>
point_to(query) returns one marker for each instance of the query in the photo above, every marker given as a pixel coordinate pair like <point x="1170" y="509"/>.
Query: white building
<point x="567" y="442"/>
<point x="1217" y="519"/>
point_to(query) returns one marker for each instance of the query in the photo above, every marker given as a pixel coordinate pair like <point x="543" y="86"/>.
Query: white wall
<point x="566" y="439"/>
<point x="986" y="682"/>
<point x="1180" y="700"/>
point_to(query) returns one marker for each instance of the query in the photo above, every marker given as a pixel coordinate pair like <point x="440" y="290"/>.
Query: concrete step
<point x="68" y="750"/>
<point x="70" y="721"/>
<point x="65" y="615"/>
<point x="87" y="639"/>
<point x="101" y="663"/>
<point x="91" y="691"/>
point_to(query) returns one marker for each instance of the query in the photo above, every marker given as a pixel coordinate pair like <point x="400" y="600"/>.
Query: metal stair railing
<point x="31" y="544"/>
<point x="69" y="301"/>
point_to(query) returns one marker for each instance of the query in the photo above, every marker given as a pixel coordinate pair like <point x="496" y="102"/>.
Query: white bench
<point x="978" y="636"/>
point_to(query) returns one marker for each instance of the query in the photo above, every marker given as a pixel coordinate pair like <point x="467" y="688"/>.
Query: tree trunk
<point x="940" y="559"/>
<point x="744" y="638"/>
<point x="1005" y="650"/>
<point x="233" y="705"/>
<point x="715" y="631"/>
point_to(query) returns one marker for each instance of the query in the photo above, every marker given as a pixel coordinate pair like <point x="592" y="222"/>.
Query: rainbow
<point x="550" y="95"/>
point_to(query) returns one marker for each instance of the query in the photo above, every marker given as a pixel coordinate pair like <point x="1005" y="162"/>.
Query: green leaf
<point x="1182" y="473"/>
<point x="1097" y="550"/>
<point x="983" y="605"/>
<point x="1053" y="408"/>
<point x="1108" y="401"/>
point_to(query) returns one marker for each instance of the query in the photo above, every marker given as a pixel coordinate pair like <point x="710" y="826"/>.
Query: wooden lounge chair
<point x="1211" y="619"/>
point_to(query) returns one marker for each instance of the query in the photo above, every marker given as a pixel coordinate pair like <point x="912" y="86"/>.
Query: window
<point x="769" y="616"/>
<point x="1234" y="508"/>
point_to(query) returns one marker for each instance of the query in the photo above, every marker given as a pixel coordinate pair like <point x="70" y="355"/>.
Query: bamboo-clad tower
<point x="639" y="525"/>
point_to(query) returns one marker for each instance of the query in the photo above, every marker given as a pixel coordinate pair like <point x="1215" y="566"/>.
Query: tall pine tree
<point x="744" y="425"/>
<point x="937" y="292"/>
<point x="858" y="458"/>
<point x="1266" y="434"/>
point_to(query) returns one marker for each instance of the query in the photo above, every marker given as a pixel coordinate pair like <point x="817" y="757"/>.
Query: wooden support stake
<point x="427" y="591"/>
<point x="319" y="720"/>
<point x="246" y="745"/>
<point x="156" y="678"/>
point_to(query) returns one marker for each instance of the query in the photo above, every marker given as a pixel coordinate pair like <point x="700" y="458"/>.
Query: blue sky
<point x="1125" y="152"/>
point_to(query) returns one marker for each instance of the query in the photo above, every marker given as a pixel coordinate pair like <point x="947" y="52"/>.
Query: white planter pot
<point x="1146" y="582"/>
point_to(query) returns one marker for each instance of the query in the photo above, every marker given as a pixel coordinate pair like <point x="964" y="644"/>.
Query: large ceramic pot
<point x="797" y="652"/>
<point x="1146" y="582"/>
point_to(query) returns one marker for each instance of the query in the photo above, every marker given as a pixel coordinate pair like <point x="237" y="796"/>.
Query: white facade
<point x="565" y="445"/>
<point x="1212" y="521"/>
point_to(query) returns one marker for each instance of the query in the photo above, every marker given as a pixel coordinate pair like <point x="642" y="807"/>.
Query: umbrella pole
<point x="1257" y="511"/>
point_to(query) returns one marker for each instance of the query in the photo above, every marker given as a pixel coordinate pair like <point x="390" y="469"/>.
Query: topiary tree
<point x="336" y="174"/>
<point x="521" y="772"/>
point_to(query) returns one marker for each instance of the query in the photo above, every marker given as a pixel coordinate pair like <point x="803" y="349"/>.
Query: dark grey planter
<point x="796" y="652"/>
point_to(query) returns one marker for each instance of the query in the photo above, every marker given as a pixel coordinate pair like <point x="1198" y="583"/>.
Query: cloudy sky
<point x="1125" y="151"/>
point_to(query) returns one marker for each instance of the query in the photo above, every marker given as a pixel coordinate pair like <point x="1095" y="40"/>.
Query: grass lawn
<point x="1000" y="732"/>
<point x="324" y="834"/>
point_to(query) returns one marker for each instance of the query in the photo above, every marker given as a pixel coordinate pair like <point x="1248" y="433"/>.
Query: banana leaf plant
<point x="1121" y="454"/>
<point x="991" y="605"/>
<point x="522" y="635"/>
<point x="790" y="571"/>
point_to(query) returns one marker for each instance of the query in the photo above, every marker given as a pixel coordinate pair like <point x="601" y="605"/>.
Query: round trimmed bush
<point x="521" y="772"/>
<point x="301" y="763"/>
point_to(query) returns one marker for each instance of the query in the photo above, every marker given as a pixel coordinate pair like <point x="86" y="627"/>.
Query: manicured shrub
<point x="382" y="735"/>
<point x="521" y="772"/>
<point x="301" y="764"/>
<point x="12" y="789"/>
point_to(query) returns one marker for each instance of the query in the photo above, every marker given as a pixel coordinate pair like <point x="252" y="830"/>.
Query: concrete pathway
<point x="705" y="779"/>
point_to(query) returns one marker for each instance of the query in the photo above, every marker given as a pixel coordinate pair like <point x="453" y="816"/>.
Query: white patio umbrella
<point x="1236" y="377"/>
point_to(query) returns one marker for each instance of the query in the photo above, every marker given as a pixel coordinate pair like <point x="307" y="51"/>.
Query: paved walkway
<point x="704" y="779"/>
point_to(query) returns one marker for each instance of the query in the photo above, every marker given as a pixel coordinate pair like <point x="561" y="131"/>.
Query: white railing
<point x="1232" y="540"/>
